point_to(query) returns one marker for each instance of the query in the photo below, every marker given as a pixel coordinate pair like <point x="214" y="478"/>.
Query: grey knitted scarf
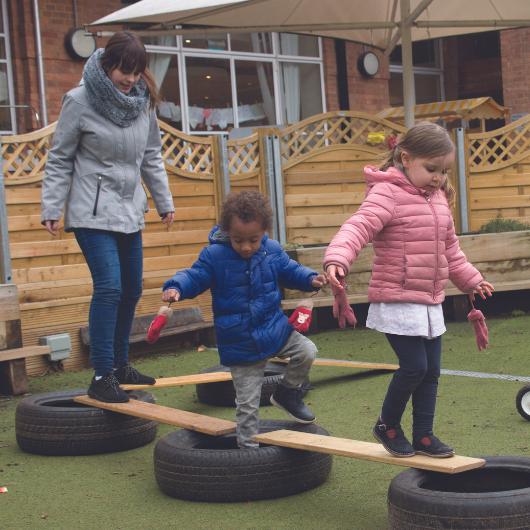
<point x="106" y="99"/>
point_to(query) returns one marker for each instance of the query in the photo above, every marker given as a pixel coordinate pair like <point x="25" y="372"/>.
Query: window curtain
<point x="158" y="63"/>
<point x="291" y="78"/>
<point x="258" y="46"/>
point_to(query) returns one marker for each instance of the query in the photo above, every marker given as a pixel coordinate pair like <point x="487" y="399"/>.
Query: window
<point x="428" y="73"/>
<point x="213" y="83"/>
<point x="7" y="110"/>
<point x="255" y="93"/>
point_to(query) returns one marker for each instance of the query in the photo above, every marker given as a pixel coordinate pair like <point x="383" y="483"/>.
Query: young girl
<point x="244" y="269"/>
<point x="107" y="139"/>
<point x="407" y="216"/>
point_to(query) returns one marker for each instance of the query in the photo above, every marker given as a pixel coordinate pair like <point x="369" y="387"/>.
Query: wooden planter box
<point x="502" y="258"/>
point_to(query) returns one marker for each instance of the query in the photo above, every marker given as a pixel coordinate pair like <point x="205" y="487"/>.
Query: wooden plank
<point x="373" y="452"/>
<point x="181" y="380"/>
<point x="347" y="364"/>
<point x="22" y="353"/>
<point x="9" y="307"/>
<point x="168" y="415"/>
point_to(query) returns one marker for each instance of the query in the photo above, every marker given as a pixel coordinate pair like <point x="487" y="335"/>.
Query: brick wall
<point x="367" y="95"/>
<point x="515" y="56"/>
<point x="330" y="74"/>
<point x="61" y="72"/>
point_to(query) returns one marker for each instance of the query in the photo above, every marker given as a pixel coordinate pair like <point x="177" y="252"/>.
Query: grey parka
<point x="94" y="167"/>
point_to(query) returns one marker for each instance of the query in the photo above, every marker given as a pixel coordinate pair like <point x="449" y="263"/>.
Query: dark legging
<point x="417" y="376"/>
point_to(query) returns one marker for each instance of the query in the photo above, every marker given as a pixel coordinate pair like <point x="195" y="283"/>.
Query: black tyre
<point x="223" y="394"/>
<point x="198" y="467"/>
<point x="54" y="424"/>
<point x="522" y="402"/>
<point x="493" y="497"/>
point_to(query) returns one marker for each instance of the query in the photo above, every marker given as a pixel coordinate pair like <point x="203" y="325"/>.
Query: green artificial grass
<point x="118" y="491"/>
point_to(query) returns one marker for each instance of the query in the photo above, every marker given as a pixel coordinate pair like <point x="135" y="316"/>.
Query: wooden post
<point x="13" y="378"/>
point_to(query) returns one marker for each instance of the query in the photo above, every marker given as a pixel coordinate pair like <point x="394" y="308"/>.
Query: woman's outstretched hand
<point x="484" y="289"/>
<point x="168" y="218"/>
<point x="52" y="227"/>
<point x="170" y="295"/>
<point x="335" y="274"/>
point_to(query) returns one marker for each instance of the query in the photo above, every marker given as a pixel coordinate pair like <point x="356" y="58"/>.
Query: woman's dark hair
<point x="248" y="206"/>
<point x="126" y="52"/>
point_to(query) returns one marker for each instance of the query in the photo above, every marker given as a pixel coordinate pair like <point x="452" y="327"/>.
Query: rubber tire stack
<point x="496" y="496"/>
<point x="522" y="402"/>
<point x="223" y="394"/>
<point x="198" y="467"/>
<point x="54" y="424"/>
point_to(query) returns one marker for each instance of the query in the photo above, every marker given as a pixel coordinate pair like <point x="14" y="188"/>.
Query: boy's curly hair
<point x="248" y="206"/>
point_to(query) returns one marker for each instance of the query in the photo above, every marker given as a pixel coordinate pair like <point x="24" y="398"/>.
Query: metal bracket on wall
<point x="5" y="255"/>
<point x="225" y="173"/>
<point x="462" y="180"/>
<point x="273" y="165"/>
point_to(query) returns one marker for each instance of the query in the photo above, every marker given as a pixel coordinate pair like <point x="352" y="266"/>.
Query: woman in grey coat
<point x="107" y="140"/>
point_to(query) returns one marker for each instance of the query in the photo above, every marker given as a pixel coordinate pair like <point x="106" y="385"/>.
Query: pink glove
<point x="476" y="317"/>
<point x="341" y="308"/>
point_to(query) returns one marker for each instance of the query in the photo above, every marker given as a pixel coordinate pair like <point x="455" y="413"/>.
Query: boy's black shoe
<point x="107" y="389"/>
<point x="429" y="445"/>
<point x="393" y="439"/>
<point x="127" y="375"/>
<point x="290" y="400"/>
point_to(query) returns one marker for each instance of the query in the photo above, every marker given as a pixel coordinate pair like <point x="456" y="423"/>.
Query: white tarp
<point x="333" y="18"/>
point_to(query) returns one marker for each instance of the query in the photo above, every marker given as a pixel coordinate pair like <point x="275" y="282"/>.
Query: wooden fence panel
<point x="322" y="161"/>
<point x="53" y="280"/>
<point x="499" y="174"/>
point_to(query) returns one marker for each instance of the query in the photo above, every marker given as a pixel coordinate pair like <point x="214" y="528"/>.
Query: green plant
<point x="502" y="225"/>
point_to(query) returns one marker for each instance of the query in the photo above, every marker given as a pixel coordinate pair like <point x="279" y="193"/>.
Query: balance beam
<point x="348" y="364"/>
<point x="365" y="451"/>
<point x="193" y="379"/>
<point x="176" y="417"/>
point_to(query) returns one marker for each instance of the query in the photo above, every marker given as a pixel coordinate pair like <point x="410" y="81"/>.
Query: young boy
<point x="244" y="270"/>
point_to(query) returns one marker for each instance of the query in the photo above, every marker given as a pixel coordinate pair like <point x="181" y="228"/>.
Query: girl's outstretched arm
<point x="374" y="213"/>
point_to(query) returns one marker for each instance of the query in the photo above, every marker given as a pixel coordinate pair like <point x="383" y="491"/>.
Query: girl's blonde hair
<point x="423" y="140"/>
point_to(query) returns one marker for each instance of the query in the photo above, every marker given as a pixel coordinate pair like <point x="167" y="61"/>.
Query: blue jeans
<point x="417" y="376"/>
<point x="115" y="263"/>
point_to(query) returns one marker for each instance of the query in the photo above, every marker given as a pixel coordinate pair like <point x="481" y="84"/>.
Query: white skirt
<point x="403" y="318"/>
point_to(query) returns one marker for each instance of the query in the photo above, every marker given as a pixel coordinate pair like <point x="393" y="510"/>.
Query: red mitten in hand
<point x="476" y="317"/>
<point x="156" y="326"/>
<point x="301" y="316"/>
<point x="341" y="308"/>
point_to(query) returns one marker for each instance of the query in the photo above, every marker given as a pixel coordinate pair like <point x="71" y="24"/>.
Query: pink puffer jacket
<point x="415" y="245"/>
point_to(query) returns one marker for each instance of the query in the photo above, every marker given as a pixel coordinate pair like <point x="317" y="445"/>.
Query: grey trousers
<point x="248" y="379"/>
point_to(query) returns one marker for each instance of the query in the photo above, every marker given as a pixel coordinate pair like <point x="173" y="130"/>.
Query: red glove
<point x="341" y="308"/>
<point x="156" y="326"/>
<point x="300" y="319"/>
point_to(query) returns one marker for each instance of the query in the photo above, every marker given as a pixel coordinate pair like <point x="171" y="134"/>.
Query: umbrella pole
<point x="409" y="93"/>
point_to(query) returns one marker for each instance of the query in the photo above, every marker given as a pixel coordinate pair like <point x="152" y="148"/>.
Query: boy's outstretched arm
<point x="189" y="283"/>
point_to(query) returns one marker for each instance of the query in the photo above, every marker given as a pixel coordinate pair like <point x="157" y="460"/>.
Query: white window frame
<point x="428" y="70"/>
<point x="275" y="58"/>
<point x="9" y="72"/>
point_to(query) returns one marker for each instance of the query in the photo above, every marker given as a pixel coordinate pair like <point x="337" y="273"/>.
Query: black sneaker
<point x="429" y="445"/>
<point x="290" y="400"/>
<point x="107" y="389"/>
<point x="393" y="439"/>
<point x="127" y="375"/>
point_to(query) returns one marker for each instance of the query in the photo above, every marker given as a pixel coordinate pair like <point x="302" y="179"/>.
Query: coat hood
<point x="218" y="235"/>
<point x="392" y="175"/>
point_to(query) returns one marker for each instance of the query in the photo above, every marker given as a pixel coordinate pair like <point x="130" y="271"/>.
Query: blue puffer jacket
<point x="249" y="322"/>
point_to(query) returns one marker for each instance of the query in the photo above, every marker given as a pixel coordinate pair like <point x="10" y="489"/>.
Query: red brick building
<point x="211" y="85"/>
